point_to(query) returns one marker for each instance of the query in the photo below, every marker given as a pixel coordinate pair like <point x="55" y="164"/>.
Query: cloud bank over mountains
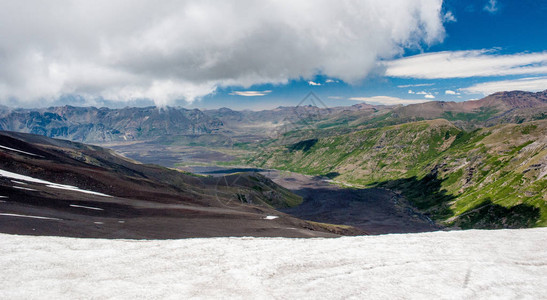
<point x="172" y="50"/>
<point x="387" y="100"/>
<point x="535" y="84"/>
<point x="463" y="64"/>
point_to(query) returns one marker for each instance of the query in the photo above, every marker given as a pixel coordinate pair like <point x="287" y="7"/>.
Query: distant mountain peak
<point x="516" y="99"/>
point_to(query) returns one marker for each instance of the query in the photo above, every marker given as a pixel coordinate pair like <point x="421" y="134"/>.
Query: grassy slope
<point x="254" y="188"/>
<point x="489" y="178"/>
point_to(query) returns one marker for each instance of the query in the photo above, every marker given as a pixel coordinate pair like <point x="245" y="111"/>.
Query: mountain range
<point x="472" y="164"/>
<point x="103" y="125"/>
<point x="90" y="124"/>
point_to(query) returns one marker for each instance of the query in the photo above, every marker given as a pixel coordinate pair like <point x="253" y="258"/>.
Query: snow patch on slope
<point x="24" y="152"/>
<point x="18" y="182"/>
<point x="446" y="265"/>
<point x="47" y="183"/>
<point x="86" y="207"/>
<point x="24" y="188"/>
<point x="29" y="216"/>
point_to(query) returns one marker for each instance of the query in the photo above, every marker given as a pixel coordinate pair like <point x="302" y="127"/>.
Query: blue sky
<point x="264" y="54"/>
<point x="499" y="28"/>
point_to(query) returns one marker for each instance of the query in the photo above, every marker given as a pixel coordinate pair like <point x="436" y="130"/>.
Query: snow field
<point x="444" y="265"/>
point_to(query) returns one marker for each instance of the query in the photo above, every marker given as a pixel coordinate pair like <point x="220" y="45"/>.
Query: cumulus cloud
<point x="532" y="84"/>
<point x="491" y="6"/>
<point x="450" y="92"/>
<point x="313" y="83"/>
<point x="251" y="93"/>
<point x="461" y="64"/>
<point x="170" y="50"/>
<point x="426" y="94"/>
<point x="449" y="17"/>
<point x="387" y="100"/>
<point x="331" y="81"/>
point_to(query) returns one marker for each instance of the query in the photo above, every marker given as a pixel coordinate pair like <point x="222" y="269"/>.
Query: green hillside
<point x="488" y="178"/>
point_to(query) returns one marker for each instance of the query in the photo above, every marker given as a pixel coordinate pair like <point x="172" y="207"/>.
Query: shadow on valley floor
<point x="428" y="196"/>
<point x="425" y="194"/>
<point x="488" y="215"/>
<point x="302" y="145"/>
<point x="332" y="175"/>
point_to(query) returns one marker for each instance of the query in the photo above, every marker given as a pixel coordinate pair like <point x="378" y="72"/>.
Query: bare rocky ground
<point x="373" y="210"/>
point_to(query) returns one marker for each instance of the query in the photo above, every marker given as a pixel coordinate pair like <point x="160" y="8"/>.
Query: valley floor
<point x="446" y="265"/>
<point x="373" y="210"/>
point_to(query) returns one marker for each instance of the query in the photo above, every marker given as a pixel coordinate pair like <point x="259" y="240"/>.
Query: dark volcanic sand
<point x="374" y="210"/>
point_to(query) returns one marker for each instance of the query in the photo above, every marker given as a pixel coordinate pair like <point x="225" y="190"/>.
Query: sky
<point x="264" y="54"/>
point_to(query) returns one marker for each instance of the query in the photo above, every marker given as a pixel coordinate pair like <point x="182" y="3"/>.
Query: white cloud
<point x="461" y="64"/>
<point x="313" y="83"/>
<point x="450" y="92"/>
<point x="491" y="6"/>
<point x="449" y="17"/>
<point x="171" y="50"/>
<point x="415" y="85"/>
<point x="331" y="81"/>
<point x="387" y="100"/>
<point x="251" y="93"/>
<point x="426" y="94"/>
<point x="532" y="84"/>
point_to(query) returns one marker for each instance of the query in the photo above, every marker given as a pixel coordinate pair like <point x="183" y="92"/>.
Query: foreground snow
<point x="464" y="264"/>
